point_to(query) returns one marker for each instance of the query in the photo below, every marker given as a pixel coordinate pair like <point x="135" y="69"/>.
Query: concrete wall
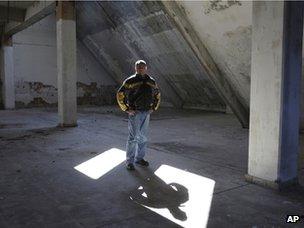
<point x="1" y="97"/>
<point x="224" y="27"/>
<point x="36" y="71"/>
<point x="118" y="33"/>
<point x="302" y="93"/>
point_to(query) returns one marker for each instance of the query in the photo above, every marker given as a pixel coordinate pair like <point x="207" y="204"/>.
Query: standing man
<point x="138" y="96"/>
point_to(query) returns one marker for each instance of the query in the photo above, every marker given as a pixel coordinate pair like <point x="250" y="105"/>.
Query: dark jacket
<point x="138" y="93"/>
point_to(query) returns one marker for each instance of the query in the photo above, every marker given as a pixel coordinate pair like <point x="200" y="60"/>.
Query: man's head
<point x="141" y="67"/>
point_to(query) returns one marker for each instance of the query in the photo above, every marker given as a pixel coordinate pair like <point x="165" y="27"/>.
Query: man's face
<point x="141" y="69"/>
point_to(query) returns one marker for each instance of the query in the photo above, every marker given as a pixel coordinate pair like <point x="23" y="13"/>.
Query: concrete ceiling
<point x="198" y="51"/>
<point x="18" y="15"/>
<point x="12" y="11"/>
<point x="17" y="4"/>
<point x="189" y="69"/>
<point x="119" y="33"/>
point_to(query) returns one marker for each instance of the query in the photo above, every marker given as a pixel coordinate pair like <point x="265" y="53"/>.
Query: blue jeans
<point x="137" y="139"/>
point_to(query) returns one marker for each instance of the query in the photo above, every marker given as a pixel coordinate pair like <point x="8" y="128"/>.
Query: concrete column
<point x="302" y="97"/>
<point x="7" y="73"/>
<point x="275" y="93"/>
<point x="66" y="63"/>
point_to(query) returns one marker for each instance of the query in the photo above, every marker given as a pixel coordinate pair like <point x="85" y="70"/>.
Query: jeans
<point x="137" y="139"/>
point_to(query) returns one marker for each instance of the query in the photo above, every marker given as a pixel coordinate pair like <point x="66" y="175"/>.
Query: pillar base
<point x="277" y="185"/>
<point x="67" y="125"/>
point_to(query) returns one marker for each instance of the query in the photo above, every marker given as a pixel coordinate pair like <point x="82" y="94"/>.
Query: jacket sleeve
<point x="121" y="97"/>
<point x="156" y="97"/>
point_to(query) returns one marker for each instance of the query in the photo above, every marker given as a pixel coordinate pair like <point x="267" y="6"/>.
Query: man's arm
<point x="156" y="96"/>
<point x="121" y="97"/>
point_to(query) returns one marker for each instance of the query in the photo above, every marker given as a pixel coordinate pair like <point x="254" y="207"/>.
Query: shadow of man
<point x="154" y="192"/>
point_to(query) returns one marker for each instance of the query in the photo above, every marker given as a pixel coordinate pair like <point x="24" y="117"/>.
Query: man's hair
<point x="140" y="62"/>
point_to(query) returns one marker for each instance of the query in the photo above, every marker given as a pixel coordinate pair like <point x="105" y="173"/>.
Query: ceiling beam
<point x="12" y="14"/>
<point x="33" y="14"/>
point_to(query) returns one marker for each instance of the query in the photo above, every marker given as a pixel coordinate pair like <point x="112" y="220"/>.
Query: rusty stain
<point x="239" y="31"/>
<point x="46" y="95"/>
<point x="36" y="102"/>
<point x="219" y="5"/>
<point x="39" y="86"/>
<point x="95" y="95"/>
<point x="276" y="43"/>
<point x="40" y="95"/>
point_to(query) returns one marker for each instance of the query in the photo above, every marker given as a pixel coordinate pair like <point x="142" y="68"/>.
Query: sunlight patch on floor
<point x="99" y="165"/>
<point x="200" y="191"/>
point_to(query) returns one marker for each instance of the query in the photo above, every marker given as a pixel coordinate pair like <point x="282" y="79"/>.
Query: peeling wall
<point x="225" y="29"/>
<point x="112" y="35"/>
<point x="94" y="94"/>
<point x="36" y="72"/>
<point x="32" y="94"/>
<point x="119" y="33"/>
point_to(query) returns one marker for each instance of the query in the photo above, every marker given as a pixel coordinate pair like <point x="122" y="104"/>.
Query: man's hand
<point x="131" y="112"/>
<point x="150" y="111"/>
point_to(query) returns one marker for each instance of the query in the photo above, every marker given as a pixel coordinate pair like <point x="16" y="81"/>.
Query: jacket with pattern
<point x="138" y="92"/>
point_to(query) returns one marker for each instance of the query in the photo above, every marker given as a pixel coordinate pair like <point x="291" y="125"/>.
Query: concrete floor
<point x="39" y="186"/>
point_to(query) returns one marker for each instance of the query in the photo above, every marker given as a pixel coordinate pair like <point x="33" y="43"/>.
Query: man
<point x="139" y="96"/>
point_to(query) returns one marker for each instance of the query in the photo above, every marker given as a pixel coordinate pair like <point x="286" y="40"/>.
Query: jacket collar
<point x="139" y="75"/>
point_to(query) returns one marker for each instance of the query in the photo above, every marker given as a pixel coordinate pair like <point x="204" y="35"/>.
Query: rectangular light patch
<point x="200" y="191"/>
<point x="102" y="163"/>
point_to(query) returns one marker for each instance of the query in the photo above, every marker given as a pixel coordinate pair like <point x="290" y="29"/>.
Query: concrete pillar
<point x="275" y="93"/>
<point x="302" y="96"/>
<point x="66" y="63"/>
<point x="7" y="73"/>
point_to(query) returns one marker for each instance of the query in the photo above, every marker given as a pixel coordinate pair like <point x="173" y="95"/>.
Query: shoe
<point x="142" y="162"/>
<point x="130" y="166"/>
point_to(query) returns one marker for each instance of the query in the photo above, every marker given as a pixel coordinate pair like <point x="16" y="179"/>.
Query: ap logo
<point x="293" y="218"/>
